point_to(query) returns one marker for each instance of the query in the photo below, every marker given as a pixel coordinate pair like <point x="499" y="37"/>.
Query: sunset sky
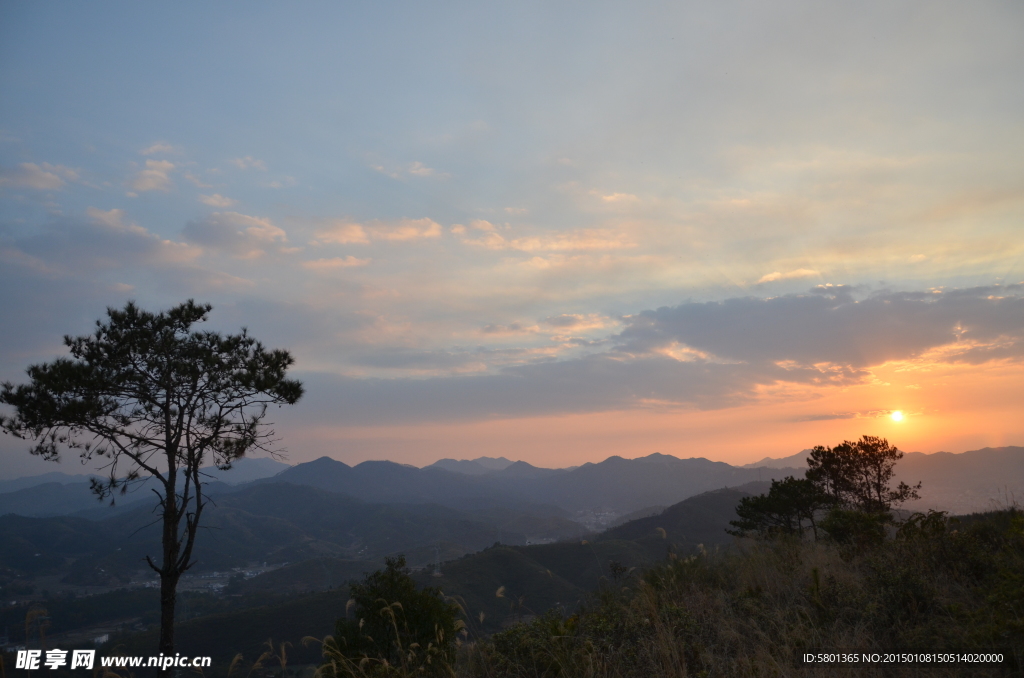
<point x="549" y="231"/>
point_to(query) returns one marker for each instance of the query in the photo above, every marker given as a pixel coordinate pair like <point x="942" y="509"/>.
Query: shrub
<point x="396" y="630"/>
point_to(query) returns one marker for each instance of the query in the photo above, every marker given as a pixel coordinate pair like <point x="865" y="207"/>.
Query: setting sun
<point x="897" y="415"/>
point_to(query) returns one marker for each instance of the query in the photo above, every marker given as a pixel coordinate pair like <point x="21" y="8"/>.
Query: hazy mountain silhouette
<point x="473" y="467"/>
<point x="275" y="522"/>
<point x="961" y="483"/>
<point x="972" y="481"/>
<point x="979" y="480"/>
<point x="32" y="481"/>
<point x="521" y="469"/>
<point x="616" y="483"/>
<point x="60" y="494"/>
<point x="798" y="460"/>
<point x="246" y="470"/>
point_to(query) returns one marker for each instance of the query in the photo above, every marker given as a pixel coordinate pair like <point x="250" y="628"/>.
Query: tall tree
<point x="153" y="400"/>
<point x="858" y="474"/>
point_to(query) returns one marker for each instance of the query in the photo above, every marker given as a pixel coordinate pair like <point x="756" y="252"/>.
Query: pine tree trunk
<point x="169" y="575"/>
<point x="168" y="599"/>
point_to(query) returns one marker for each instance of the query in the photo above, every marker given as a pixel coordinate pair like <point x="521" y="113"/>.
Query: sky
<point x="550" y="231"/>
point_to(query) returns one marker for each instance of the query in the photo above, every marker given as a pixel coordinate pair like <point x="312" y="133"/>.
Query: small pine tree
<point x="784" y="509"/>
<point x="394" y="625"/>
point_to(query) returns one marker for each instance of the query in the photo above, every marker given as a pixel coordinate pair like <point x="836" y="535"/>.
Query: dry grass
<point x="755" y="611"/>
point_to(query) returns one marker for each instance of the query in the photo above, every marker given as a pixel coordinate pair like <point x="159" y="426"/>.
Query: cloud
<point x="196" y="181"/>
<point x="423" y="361"/>
<point x="420" y="170"/>
<point x="283" y="182"/>
<point x="512" y="329"/>
<point x="85" y="249"/>
<point x="154" y="177"/>
<point x="619" y="198"/>
<point x="383" y="170"/>
<point x="577" y="322"/>
<point x="415" y="169"/>
<point x="334" y="263"/>
<point x="44" y="177"/>
<point x="820" y="340"/>
<point x="825" y="417"/>
<point x="404" y="229"/>
<point x="249" y="162"/>
<point x="829" y="325"/>
<point x="590" y="384"/>
<point x="114" y="221"/>
<point x="577" y="240"/>
<point x="789" y="275"/>
<point x="158" y="147"/>
<point x="240" y="234"/>
<point x="217" y="200"/>
<point x="344" y="232"/>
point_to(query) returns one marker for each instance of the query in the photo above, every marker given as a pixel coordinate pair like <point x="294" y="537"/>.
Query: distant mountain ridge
<point x="795" y="460"/>
<point x="473" y="467"/>
<point x="976" y="480"/>
<point x="58" y="477"/>
<point x="616" y="484"/>
<point x="57" y="493"/>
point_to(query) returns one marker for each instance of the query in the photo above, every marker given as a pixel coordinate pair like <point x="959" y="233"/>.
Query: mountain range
<point x="972" y="481"/>
<point x="615" y="485"/>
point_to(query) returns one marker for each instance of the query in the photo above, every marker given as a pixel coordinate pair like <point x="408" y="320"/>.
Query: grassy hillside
<point x="950" y="587"/>
<point x="222" y="636"/>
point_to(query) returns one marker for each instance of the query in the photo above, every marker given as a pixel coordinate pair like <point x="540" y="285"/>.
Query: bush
<point x="856" y="528"/>
<point x="396" y="629"/>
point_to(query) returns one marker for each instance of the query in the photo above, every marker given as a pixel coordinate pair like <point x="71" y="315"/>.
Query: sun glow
<point x="897" y="415"/>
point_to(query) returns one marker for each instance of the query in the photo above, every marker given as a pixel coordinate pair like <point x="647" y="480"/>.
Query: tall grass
<point x="937" y="585"/>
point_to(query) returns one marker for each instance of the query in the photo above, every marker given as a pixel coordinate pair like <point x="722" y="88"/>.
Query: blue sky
<point x="463" y="219"/>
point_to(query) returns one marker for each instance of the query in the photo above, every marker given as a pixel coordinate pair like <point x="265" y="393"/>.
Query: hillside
<point x="952" y="587"/>
<point x="563" y="574"/>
